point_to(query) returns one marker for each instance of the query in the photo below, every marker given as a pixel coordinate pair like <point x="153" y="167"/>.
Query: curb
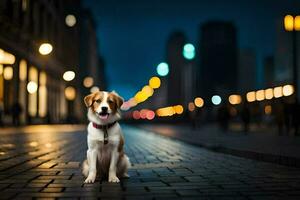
<point x="271" y="158"/>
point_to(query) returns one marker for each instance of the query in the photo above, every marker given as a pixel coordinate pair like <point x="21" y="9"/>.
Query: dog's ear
<point x="88" y="100"/>
<point x="118" y="98"/>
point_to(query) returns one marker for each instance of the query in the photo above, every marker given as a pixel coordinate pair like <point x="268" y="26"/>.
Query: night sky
<point x="132" y="34"/>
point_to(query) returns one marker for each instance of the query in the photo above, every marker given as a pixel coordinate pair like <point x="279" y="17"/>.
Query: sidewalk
<point x="259" y="145"/>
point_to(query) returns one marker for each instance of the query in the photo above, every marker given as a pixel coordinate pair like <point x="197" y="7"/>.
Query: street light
<point x="8" y="73"/>
<point x="69" y="75"/>
<point x="45" y="48"/>
<point x="70" y="93"/>
<point x="292" y="24"/>
<point x="32" y="87"/>
<point x="88" y="82"/>
<point x="70" y="20"/>
<point x="189" y="51"/>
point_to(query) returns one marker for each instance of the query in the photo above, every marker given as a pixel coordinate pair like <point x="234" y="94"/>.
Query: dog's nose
<point x="104" y="108"/>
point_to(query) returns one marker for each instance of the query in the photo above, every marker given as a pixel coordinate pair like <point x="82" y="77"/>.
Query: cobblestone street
<point x="46" y="165"/>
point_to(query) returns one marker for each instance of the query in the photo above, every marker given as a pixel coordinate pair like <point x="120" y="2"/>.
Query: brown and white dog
<point x="105" y="154"/>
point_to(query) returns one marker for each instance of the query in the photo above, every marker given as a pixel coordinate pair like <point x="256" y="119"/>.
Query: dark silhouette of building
<point x="217" y="56"/>
<point x="177" y="63"/>
<point x="269" y="71"/>
<point x="246" y="70"/>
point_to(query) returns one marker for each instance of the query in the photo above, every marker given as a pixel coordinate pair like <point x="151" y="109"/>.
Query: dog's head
<point x="104" y="106"/>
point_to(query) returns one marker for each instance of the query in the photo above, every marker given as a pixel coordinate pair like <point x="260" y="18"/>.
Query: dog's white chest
<point x="98" y="134"/>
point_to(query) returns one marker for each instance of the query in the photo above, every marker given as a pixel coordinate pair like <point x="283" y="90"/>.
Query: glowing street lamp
<point x="69" y="75"/>
<point x="189" y="51"/>
<point x="88" y="82"/>
<point x="8" y="73"/>
<point x="292" y="24"/>
<point x="32" y="87"/>
<point x="70" y="93"/>
<point x="70" y="20"/>
<point x="162" y="69"/>
<point x="45" y="48"/>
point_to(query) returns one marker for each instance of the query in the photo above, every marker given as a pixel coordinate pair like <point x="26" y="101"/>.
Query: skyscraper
<point x="246" y="70"/>
<point x="176" y="63"/>
<point x="217" y="56"/>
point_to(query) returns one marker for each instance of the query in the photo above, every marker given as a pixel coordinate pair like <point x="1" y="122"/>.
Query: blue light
<point x="216" y="99"/>
<point x="162" y="69"/>
<point x="189" y="51"/>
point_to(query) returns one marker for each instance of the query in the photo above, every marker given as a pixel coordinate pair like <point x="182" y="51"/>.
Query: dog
<point x="105" y="154"/>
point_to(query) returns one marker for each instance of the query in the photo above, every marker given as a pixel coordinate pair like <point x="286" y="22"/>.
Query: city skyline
<point x="133" y="35"/>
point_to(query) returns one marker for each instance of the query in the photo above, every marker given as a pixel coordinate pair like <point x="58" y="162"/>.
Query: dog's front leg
<point x="112" y="175"/>
<point x="92" y="161"/>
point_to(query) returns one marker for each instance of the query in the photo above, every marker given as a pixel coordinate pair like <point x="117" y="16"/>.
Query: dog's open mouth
<point x="103" y="115"/>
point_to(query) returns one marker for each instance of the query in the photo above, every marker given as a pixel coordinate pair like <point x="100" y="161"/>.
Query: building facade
<point x="32" y="84"/>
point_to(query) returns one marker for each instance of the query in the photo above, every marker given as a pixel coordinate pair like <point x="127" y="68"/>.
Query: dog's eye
<point x="110" y="101"/>
<point x="98" y="101"/>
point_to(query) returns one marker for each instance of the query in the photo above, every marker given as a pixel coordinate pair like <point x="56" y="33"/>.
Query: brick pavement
<point x="46" y="165"/>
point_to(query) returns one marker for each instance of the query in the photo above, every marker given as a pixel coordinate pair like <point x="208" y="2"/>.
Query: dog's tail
<point x="85" y="168"/>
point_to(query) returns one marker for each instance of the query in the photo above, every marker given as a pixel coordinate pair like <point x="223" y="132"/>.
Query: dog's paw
<point x="125" y="175"/>
<point x="113" y="179"/>
<point x="90" y="179"/>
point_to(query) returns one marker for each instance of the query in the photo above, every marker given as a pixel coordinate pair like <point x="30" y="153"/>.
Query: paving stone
<point x="161" y="169"/>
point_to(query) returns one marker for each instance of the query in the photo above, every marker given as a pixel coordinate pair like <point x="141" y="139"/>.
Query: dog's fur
<point x="105" y="160"/>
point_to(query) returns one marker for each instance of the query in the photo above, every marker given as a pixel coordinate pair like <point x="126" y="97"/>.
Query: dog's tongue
<point x="104" y="116"/>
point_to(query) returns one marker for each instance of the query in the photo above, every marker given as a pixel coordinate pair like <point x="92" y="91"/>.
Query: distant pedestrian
<point x="223" y="116"/>
<point x="288" y="117"/>
<point x="16" y="111"/>
<point x="296" y="118"/>
<point x="279" y="117"/>
<point x="245" y="116"/>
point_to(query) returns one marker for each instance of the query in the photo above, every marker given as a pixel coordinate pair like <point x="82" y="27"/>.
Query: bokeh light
<point x="147" y="90"/>
<point x="235" y="99"/>
<point x="154" y="82"/>
<point x="32" y="87"/>
<point x="260" y="95"/>
<point x="162" y="69"/>
<point x="297" y="23"/>
<point x="94" y="89"/>
<point x="269" y="93"/>
<point x="268" y="109"/>
<point x="136" y="114"/>
<point x="277" y="92"/>
<point x="45" y="49"/>
<point x="199" y="102"/>
<point x="88" y="82"/>
<point x="188" y="51"/>
<point x="287" y="90"/>
<point x="150" y="115"/>
<point x="8" y="73"/>
<point x="178" y="109"/>
<point x="250" y="96"/>
<point x="69" y="75"/>
<point x="70" y="20"/>
<point x="191" y="106"/>
<point x="289" y="23"/>
<point x="216" y="99"/>
<point x="70" y="93"/>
